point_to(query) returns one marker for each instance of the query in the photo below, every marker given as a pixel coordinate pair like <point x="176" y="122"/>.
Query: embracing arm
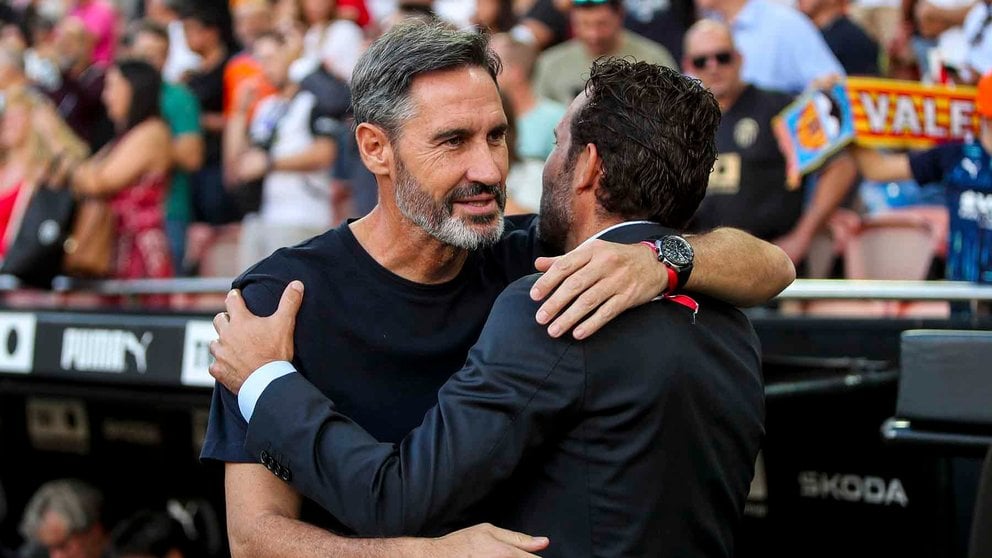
<point x="262" y="521"/>
<point x="597" y="281"/>
<point x="501" y="403"/>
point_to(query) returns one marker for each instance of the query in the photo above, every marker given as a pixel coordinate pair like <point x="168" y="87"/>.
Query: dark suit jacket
<point x="639" y="441"/>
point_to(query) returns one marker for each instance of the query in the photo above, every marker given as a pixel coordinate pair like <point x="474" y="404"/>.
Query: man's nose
<point x="485" y="167"/>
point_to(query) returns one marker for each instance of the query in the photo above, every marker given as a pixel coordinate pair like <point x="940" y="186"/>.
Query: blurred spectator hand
<point x="826" y="82"/>
<point x="929" y="19"/>
<point x="795" y="245"/>
<point x="253" y="165"/>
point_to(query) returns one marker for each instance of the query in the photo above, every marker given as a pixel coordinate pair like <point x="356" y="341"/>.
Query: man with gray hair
<point x="64" y="517"/>
<point x="396" y="299"/>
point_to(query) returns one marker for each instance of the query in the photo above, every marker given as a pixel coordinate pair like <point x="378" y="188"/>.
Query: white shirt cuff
<point x="255" y="384"/>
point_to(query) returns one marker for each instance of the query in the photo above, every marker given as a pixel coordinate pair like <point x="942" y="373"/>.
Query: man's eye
<point x="454" y="142"/>
<point x="497" y="136"/>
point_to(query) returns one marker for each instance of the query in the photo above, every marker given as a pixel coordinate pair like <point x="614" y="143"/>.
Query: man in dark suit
<point x="638" y="441"/>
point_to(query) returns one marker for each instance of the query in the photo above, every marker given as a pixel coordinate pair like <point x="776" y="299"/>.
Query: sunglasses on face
<point x="722" y="59"/>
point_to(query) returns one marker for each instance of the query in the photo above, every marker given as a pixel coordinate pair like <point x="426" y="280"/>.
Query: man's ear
<point x="588" y="169"/>
<point x="375" y="148"/>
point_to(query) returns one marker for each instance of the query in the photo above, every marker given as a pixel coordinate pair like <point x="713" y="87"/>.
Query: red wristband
<point x="673" y="276"/>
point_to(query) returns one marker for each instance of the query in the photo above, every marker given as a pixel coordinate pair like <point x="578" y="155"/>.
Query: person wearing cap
<point x="597" y="25"/>
<point x="963" y="167"/>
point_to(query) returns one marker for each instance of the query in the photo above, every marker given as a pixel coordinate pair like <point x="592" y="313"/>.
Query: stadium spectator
<point x="180" y="59"/>
<point x="495" y="16"/>
<point x="662" y="22"/>
<point x="12" y="77"/>
<point x="978" y="59"/>
<point x="330" y="41"/>
<point x="533" y="125"/>
<point x="781" y="48"/>
<point x="748" y="187"/>
<point x="204" y="26"/>
<point x="150" y="535"/>
<point x="82" y="82"/>
<point x="854" y="49"/>
<point x="100" y="19"/>
<point x="962" y="168"/>
<point x="598" y="27"/>
<point x="181" y="111"/>
<point x="289" y="147"/>
<point x="65" y="518"/>
<point x="941" y="44"/>
<point x="132" y="172"/>
<point x="28" y="155"/>
<point x="252" y="18"/>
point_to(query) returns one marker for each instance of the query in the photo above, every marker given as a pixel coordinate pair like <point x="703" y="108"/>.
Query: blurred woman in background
<point x="26" y="128"/>
<point x="132" y="172"/>
<point x="330" y="41"/>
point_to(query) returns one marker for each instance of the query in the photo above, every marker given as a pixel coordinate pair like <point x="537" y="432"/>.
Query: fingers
<point x="519" y="540"/>
<point x="235" y="305"/>
<point x="576" y="285"/>
<point x="560" y="269"/>
<point x="221" y="322"/>
<point x="603" y="315"/>
<point x="291" y="300"/>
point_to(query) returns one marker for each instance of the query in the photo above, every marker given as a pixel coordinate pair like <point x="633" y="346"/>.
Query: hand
<point x="484" y="541"/>
<point x="253" y="165"/>
<point x="824" y="83"/>
<point x="930" y="21"/>
<point x="795" y="245"/>
<point x="248" y="342"/>
<point x="599" y="276"/>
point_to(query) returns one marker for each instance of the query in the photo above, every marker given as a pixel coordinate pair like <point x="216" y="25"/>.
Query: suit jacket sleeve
<point x="518" y="389"/>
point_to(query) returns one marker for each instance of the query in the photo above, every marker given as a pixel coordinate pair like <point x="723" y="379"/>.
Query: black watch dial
<point x="677" y="251"/>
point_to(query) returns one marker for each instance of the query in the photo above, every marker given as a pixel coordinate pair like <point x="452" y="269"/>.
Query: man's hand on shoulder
<point x="483" y="541"/>
<point x="596" y="281"/>
<point x="247" y="342"/>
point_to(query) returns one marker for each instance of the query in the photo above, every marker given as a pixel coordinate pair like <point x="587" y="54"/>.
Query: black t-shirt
<point x="380" y="346"/>
<point x="663" y="21"/>
<point x="855" y="50"/>
<point x="208" y="88"/>
<point x="747" y="189"/>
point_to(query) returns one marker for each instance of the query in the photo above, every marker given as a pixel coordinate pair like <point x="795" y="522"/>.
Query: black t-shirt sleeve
<point x="323" y="125"/>
<point x="931" y="165"/>
<point x="226" y="428"/>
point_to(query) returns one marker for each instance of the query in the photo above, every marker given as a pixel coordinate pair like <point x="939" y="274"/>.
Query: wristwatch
<point x="676" y="253"/>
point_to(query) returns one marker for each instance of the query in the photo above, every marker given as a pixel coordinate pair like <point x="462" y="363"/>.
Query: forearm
<point x="738" y="268"/>
<point x="187" y="152"/>
<point x="881" y="167"/>
<point x="276" y="536"/>
<point x="834" y="184"/>
<point x="235" y="143"/>
<point x="317" y="157"/>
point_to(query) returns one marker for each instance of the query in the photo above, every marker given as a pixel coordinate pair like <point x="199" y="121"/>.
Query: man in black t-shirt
<point x="203" y="26"/>
<point x="396" y="299"/>
<point x="748" y="187"/>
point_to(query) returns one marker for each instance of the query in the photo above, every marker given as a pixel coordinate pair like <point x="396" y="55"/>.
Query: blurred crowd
<point x="217" y="132"/>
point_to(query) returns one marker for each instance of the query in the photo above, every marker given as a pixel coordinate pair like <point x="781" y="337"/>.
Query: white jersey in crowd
<point x="288" y="127"/>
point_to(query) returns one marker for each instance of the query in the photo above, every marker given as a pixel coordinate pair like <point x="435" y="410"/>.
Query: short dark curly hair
<point x="655" y="131"/>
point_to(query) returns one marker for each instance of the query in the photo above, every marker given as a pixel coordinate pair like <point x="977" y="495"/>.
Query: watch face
<point x="677" y="251"/>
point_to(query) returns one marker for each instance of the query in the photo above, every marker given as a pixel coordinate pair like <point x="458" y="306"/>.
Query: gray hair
<point x="76" y="502"/>
<point x="380" y="84"/>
